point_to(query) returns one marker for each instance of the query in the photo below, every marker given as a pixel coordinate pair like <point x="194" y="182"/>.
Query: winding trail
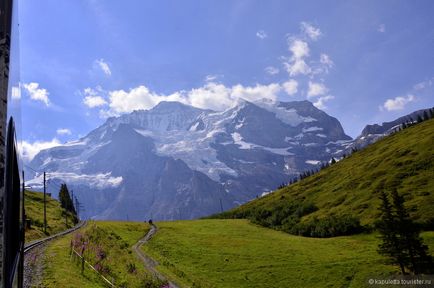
<point x="150" y="263"/>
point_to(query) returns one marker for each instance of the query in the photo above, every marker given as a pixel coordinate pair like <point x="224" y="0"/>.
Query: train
<point x="12" y="216"/>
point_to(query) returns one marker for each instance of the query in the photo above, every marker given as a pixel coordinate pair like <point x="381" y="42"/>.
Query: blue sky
<point x="362" y="62"/>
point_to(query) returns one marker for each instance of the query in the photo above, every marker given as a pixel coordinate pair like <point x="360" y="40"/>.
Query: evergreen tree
<point x="400" y="236"/>
<point x="419" y="119"/>
<point x="425" y="115"/>
<point x="333" y="161"/>
<point x="416" y="252"/>
<point x="65" y="199"/>
<point x="390" y="245"/>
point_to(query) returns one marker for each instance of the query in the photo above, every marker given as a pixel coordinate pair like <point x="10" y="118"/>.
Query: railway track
<point x="29" y="246"/>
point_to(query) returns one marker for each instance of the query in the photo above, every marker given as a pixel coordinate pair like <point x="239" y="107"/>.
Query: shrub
<point x="328" y="227"/>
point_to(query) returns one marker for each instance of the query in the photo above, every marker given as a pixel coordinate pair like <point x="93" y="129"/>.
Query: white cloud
<point x="213" y="77"/>
<point x="211" y="96"/>
<point x="36" y="93"/>
<point x="381" y="28"/>
<point x="63" y="131"/>
<point x="261" y="34"/>
<point x="94" y="101"/>
<point x="298" y="47"/>
<point x="316" y="89"/>
<point x="271" y="70"/>
<point x="297" y="67"/>
<point x="29" y="150"/>
<point x="98" y="181"/>
<point x="325" y="59"/>
<point x="310" y="31"/>
<point x="398" y="103"/>
<point x="92" y="98"/>
<point x="219" y="97"/>
<point x="214" y="96"/>
<point x="138" y="98"/>
<point x="257" y="92"/>
<point x="424" y="84"/>
<point x="320" y="102"/>
<point x="15" y="93"/>
<point x="290" y="87"/>
<point x="296" y="64"/>
<point x="104" y="66"/>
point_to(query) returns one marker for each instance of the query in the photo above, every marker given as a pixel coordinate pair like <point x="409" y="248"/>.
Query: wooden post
<point x="82" y="260"/>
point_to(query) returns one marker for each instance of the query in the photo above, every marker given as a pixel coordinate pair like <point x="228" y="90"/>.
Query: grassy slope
<point x="236" y="253"/>
<point x="34" y="206"/>
<point x="116" y="240"/>
<point x="404" y="161"/>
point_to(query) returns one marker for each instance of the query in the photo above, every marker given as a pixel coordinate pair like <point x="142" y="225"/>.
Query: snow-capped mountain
<point x="178" y="162"/>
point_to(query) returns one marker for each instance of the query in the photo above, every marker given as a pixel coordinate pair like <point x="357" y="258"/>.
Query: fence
<point x="83" y="261"/>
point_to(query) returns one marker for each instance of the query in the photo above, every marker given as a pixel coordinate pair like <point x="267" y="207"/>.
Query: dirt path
<point x="150" y="263"/>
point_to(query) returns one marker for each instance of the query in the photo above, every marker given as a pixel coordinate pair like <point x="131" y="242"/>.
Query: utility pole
<point x="77" y="208"/>
<point x="45" y="206"/>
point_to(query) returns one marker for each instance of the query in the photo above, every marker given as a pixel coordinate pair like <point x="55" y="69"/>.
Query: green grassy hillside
<point x="349" y="188"/>
<point x="108" y="248"/>
<point x="236" y="253"/>
<point x="34" y="207"/>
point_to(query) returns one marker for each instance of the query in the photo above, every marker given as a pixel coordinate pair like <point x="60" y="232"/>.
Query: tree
<point x="65" y="199"/>
<point x="411" y="243"/>
<point x="333" y="161"/>
<point x="400" y="236"/>
<point x="389" y="239"/>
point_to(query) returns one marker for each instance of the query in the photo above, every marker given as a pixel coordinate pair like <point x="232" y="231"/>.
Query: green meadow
<point x="236" y="253"/>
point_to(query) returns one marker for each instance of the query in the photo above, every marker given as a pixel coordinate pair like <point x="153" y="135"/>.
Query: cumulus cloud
<point x="94" y="101"/>
<point x="36" y="93"/>
<point x="103" y="66"/>
<point x="261" y="34"/>
<point x="257" y="92"/>
<point x="310" y="31"/>
<point x="29" y="150"/>
<point x="141" y="97"/>
<point x="63" y="131"/>
<point x="290" y="87"/>
<point x="320" y="102"/>
<point x="296" y="64"/>
<point x="381" y="28"/>
<point x="214" y="96"/>
<point x="299" y="48"/>
<point x="92" y="98"/>
<point x="211" y="96"/>
<point x="271" y="70"/>
<point x="297" y="67"/>
<point x="316" y="89"/>
<point x="398" y="103"/>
